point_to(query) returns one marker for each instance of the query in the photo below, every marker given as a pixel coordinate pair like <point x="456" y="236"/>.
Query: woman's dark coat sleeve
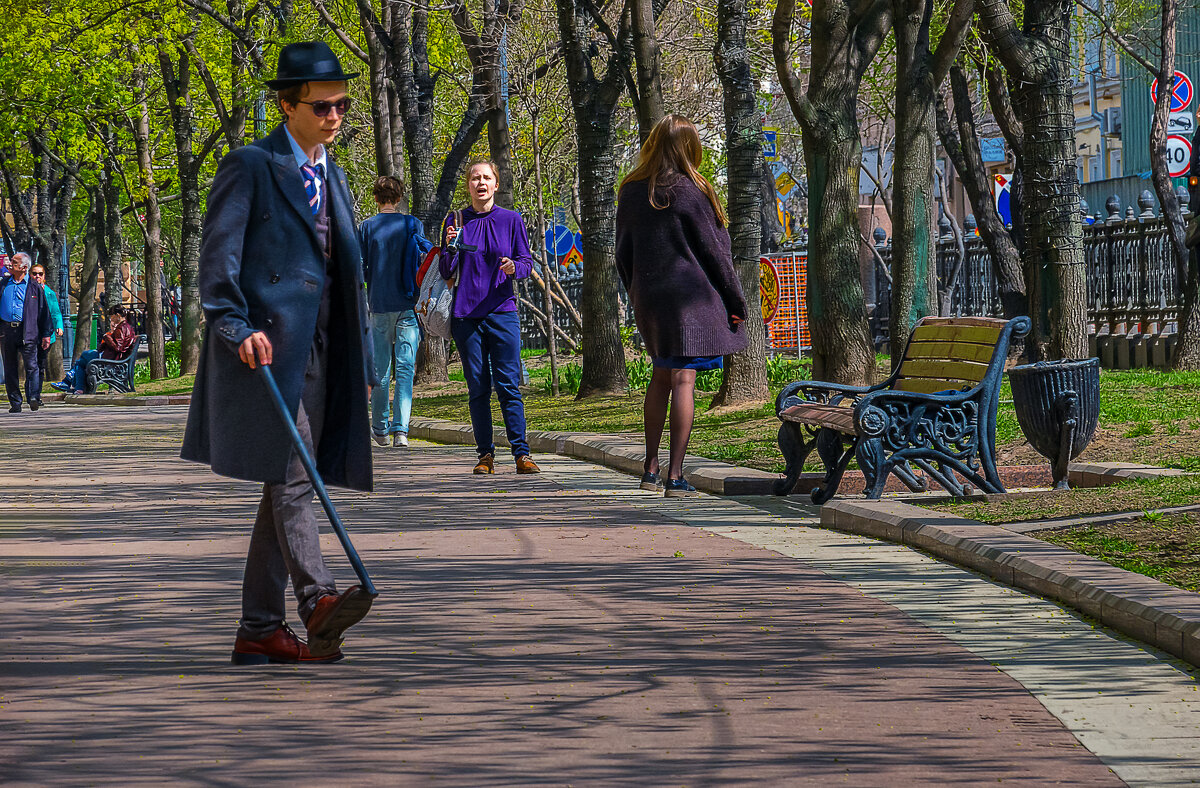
<point x="710" y="242"/>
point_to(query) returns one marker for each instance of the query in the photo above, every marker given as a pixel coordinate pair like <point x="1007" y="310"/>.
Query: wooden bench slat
<point x="929" y="385"/>
<point x="966" y="371"/>
<point x="953" y="351"/>
<point x="984" y="335"/>
<point x="818" y="414"/>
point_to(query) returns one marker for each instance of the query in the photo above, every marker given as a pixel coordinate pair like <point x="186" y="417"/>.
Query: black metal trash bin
<point x="1058" y="408"/>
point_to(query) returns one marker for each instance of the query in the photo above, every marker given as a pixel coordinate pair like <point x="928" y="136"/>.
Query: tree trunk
<point x="112" y="240"/>
<point x="594" y="101"/>
<point x="745" y="378"/>
<point x="914" y="237"/>
<point x="1038" y="63"/>
<point x="87" y="281"/>
<point x="649" y="101"/>
<point x="962" y="146"/>
<point x="431" y="361"/>
<point x="152" y="256"/>
<point x="1187" y="348"/>
<point x="177" y="84"/>
<point x="381" y="116"/>
<point x="843" y="44"/>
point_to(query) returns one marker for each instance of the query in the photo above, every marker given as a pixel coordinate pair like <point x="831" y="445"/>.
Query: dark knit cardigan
<point x="677" y="267"/>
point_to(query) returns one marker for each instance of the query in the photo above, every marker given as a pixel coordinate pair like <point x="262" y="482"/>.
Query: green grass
<point x="1165" y="548"/>
<point x="1132" y="495"/>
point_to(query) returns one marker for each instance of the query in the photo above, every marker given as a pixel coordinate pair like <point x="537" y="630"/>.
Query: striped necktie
<point x="314" y="176"/>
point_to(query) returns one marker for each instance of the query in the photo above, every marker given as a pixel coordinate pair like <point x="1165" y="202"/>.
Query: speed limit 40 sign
<point x="1179" y="155"/>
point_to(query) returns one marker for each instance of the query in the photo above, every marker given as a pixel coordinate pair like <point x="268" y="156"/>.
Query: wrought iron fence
<point x="1132" y="285"/>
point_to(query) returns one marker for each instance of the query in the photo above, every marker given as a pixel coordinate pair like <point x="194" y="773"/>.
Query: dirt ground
<point x="1165" y="548"/>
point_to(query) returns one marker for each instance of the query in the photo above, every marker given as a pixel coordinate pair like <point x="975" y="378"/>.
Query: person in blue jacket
<point x="393" y="246"/>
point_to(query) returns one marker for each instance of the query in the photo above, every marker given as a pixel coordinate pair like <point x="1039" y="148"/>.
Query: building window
<point x="1114" y="163"/>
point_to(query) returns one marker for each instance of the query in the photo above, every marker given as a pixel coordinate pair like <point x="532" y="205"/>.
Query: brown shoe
<point x="281" y="647"/>
<point x="525" y="464"/>
<point x="333" y="615"/>
<point x="485" y="465"/>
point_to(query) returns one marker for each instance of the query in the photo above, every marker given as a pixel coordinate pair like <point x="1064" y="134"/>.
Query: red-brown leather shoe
<point x="280" y="647"/>
<point x="525" y="464"/>
<point x="484" y="466"/>
<point x="333" y="615"/>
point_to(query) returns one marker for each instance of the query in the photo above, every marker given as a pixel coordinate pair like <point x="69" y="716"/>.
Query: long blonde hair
<point x="673" y="147"/>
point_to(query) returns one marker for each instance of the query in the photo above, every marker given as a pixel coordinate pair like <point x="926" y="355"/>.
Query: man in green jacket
<point x="38" y="274"/>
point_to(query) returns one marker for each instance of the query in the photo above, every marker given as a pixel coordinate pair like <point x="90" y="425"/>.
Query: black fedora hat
<point x="307" y="61"/>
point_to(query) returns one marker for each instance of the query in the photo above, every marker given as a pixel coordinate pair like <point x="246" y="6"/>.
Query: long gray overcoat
<point x="262" y="269"/>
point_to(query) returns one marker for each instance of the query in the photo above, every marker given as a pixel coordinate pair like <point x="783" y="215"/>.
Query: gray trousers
<point x="285" y="540"/>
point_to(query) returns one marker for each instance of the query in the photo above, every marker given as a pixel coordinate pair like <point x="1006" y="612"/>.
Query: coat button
<point x="270" y="322"/>
<point x="274" y="278"/>
<point x="266" y="215"/>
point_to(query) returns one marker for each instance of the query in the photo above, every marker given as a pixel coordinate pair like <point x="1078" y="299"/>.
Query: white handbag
<point x="435" y="305"/>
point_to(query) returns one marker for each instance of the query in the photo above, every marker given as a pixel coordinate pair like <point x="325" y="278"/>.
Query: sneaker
<point x="380" y="439"/>
<point x="679" y="488"/>
<point x="61" y="386"/>
<point x="400" y="439"/>
<point x="651" y="482"/>
<point x="485" y="465"/>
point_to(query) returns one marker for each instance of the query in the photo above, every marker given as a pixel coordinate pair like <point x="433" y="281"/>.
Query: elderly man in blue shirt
<point x="25" y="326"/>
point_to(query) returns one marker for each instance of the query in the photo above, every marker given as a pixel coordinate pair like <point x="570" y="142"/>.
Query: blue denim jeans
<point x="396" y="336"/>
<point x="491" y="356"/>
<point x="77" y="375"/>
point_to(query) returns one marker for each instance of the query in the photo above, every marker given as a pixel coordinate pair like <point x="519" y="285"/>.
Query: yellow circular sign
<point x="768" y="288"/>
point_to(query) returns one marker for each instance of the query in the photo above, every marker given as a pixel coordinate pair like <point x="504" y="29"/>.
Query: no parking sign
<point x="1181" y="92"/>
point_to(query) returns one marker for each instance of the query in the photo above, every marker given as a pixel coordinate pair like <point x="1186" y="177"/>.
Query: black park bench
<point x="936" y="412"/>
<point x="117" y="373"/>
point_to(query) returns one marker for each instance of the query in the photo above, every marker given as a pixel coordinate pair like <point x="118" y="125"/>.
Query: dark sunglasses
<point x="38" y="273"/>
<point x="321" y="108"/>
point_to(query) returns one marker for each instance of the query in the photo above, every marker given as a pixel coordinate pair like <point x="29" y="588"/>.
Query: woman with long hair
<point x="486" y="255"/>
<point x="673" y="255"/>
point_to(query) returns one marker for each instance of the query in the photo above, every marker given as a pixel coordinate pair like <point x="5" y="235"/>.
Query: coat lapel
<point x="288" y="178"/>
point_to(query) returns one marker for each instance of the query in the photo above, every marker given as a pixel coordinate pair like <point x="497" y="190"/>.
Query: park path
<point x="564" y="629"/>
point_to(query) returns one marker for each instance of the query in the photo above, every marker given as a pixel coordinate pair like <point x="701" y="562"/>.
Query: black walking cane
<point x="315" y="478"/>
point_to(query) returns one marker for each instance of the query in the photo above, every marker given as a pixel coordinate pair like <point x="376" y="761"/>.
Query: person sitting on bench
<point x="113" y="345"/>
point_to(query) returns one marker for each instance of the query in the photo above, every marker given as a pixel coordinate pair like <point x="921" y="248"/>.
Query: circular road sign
<point x="1181" y="92"/>
<point x="768" y="288"/>
<point x="1179" y="155"/>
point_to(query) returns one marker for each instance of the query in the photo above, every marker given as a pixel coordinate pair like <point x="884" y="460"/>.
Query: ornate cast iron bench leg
<point x="836" y="458"/>
<point x="795" y="449"/>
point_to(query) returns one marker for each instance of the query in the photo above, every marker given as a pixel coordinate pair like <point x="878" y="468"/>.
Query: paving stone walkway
<point x="563" y="629"/>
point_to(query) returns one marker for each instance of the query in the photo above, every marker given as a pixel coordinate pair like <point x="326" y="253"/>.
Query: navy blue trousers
<point x="490" y="348"/>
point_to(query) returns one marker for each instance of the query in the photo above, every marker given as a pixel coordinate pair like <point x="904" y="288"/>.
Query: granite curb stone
<point x="1141" y="607"/>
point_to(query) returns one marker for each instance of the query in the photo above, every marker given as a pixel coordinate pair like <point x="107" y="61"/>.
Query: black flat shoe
<point x="679" y="488"/>
<point x="651" y="482"/>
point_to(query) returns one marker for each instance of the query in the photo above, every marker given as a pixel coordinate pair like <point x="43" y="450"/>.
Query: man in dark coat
<point x="281" y="284"/>
<point x="25" y="326"/>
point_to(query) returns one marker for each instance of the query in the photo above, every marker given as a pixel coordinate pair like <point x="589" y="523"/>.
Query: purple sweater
<point x="677" y="267"/>
<point x="482" y="287"/>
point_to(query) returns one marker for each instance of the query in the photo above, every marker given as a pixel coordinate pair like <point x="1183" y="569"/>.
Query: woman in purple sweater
<point x="674" y="258"/>
<point x="491" y="253"/>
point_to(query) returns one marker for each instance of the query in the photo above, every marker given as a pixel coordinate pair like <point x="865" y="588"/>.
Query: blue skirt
<point x="698" y="363"/>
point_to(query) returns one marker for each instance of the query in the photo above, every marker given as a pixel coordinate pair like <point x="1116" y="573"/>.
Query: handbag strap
<point x="455" y="220"/>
